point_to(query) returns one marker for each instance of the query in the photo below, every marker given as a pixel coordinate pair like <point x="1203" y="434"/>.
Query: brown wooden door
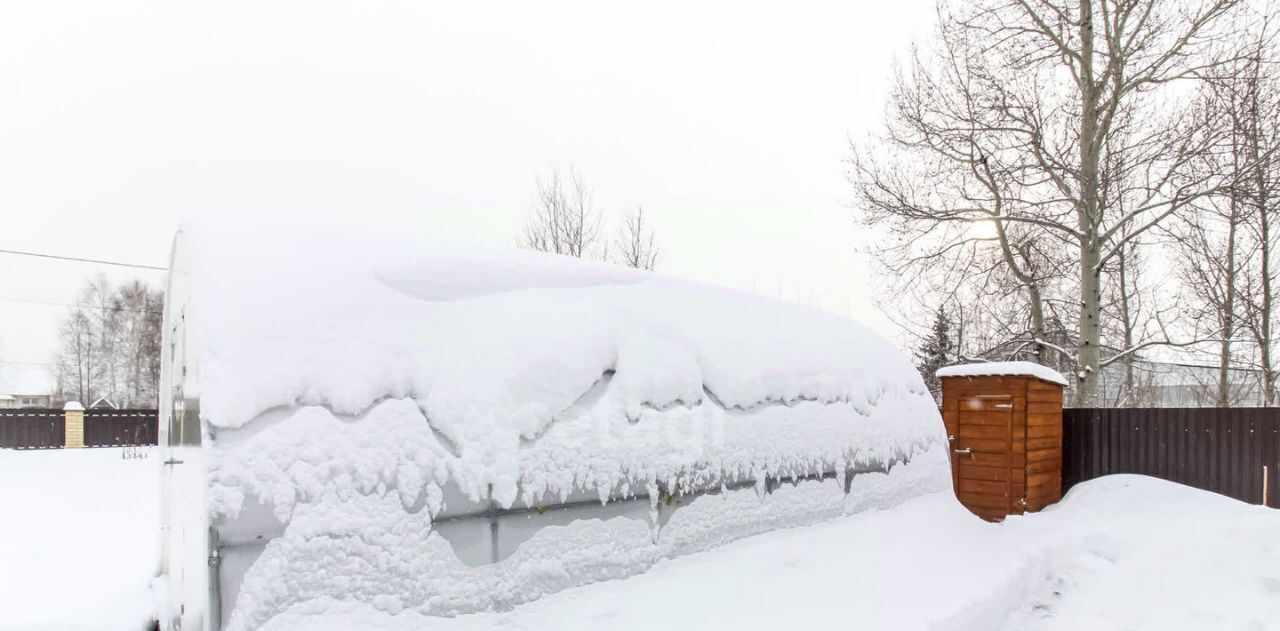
<point x="981" y="455"/>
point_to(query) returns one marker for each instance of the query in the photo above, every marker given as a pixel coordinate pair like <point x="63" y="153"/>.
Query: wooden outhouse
<point x="1004" y="423"/>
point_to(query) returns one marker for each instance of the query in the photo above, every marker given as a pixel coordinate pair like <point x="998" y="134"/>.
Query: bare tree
<point x="110" y="344"/>
<point x="1040" y="116"/>
<point x="137" y="326"/>
<point x="1210" y="265"/>
<point x="636" y="243"/>
<point x="1253" y="101"/>
<point x="78" y="360"/>
<point x="87" y="342"/>
<point x="564" y="219"/>
<point x="1226" y="248"/>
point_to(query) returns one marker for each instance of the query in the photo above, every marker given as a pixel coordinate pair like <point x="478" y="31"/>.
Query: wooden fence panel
<point x="1222" y="450"/>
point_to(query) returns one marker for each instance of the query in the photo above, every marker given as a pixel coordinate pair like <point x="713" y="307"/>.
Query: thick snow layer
<point x="367" y="548"/>
<point x="296" y="456"/>
<point x="985" y="369"/>
<point x="1119" y="553"/>
<point x="535" y="373"/>
<point x="357" y="389"/>
<point x="497" y="342"/>
<point x="78" y="539"/>
<point x="888" y="570"/>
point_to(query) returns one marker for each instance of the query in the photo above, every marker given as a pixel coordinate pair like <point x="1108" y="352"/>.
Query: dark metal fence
<point x="46" y="429"/>
<point x="120" y="428"/>
<point x="31" y="429"/>
<point x="1223" y="450"/>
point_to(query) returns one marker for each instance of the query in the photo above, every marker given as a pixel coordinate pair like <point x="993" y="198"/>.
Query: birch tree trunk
<point x="1266" y="342"/>
<point x="1228" y="309"/>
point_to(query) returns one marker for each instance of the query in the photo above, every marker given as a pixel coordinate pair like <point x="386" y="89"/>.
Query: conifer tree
<point x="936" y="351"/>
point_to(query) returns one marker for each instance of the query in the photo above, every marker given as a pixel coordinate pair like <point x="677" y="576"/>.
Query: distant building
<point x="30" y="400"/>
<point x="1178" y="385"/>
<point x="1153" y="384"/>
<point x="27" y="387"/>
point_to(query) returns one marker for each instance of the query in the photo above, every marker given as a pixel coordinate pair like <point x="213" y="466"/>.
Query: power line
<point x="82" y="260"/>
<point x="82" y="305"/>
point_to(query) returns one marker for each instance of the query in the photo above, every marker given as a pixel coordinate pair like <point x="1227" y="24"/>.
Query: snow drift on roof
<point x="491" y="340"/>
<point x="495" y="347"/>
<point x="29" y="380"/>
<point x="991" y="369"/>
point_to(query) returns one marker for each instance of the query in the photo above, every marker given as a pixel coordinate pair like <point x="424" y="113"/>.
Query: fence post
<point x="73" y="420"/>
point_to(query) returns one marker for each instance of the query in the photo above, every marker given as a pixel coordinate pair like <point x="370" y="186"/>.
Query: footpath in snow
<point x="1140" y="553"/>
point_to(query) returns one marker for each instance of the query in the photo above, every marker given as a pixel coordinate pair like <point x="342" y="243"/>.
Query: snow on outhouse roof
<point x="991" y="369"/>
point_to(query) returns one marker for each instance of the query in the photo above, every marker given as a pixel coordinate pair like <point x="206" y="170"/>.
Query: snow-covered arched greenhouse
<point x="410" y="424"/>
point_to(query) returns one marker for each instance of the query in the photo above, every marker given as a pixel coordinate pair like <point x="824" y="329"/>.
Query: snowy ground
<point x="77" y="550"/>
<point x="77" y="539"/>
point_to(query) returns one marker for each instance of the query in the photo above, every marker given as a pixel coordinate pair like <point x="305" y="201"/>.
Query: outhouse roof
<point x="993" y="369"/>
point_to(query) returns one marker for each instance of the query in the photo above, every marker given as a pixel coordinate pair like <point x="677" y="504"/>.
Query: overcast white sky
<point x="727" y="121"/>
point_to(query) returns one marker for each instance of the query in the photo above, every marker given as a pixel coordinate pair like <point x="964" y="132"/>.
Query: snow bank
<point x="360" y="391"/>
<point x="910" y="568"/>
<point x="366" y="548"/>
<point x="1119" y="553"/>
<point x="1143" y="553"/>
<point x="990" y="369"/>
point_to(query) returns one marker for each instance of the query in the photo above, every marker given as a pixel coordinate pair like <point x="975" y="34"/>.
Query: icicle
<point x="435" y="499"/>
